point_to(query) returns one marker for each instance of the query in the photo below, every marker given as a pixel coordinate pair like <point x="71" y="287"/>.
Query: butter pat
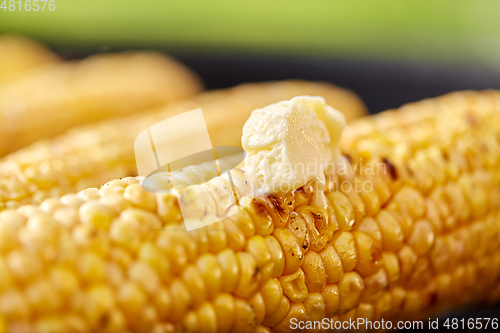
<point x="290" y="143"/>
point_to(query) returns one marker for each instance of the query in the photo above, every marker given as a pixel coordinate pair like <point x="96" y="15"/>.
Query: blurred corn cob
<point x="117" y="259"/>
<point x="56" y="98"/>
<point x="19" y="56"/>
<point x="93" y="154"/>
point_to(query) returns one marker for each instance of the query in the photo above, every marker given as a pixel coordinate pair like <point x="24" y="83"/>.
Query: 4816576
<point x="28" y="5"/>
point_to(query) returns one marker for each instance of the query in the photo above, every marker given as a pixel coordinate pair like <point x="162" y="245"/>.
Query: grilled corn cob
<point x="117" y="258"/>
<point x="19" y="55"/>
<point x="93" y="154"/>
<point x="54" y="99"/>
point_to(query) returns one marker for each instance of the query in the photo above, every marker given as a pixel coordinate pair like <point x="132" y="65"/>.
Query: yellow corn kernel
<point x="13" y="305"/>
<point x="249" y="278"/>
<point x="151" y="254"/>
<point x="207" y="318"/>
<point x="294" y="286"/>
<point x="344" y="210"/>
<point x="259" y="308"/>
<point x="390" y="262"/>
<point x="235" y="237"/>
<point x="315" y="306"/>
<point x="332" y="264"/>
<point x="369" y="256"/>
<point x="211" y="274"/>
<point x="375" y="286"/>
<point x="314" y="271"/>
<point x="224" y="309"/>
<point x="42" y="298"/>
<point x="370" y="227"/>
<point x="163" y="303"/>
<point x="244" y="316"/>
<point x="422" y="237"/>
<point x="217" y="237"/>
<point x="277" y="256"/>
<point x="230" y="273"/>
<point x="131" y="299"/>
<point x="407" y="258"/>
<point x="182" y="297"/>
<point x="344" y="245"/>
<point x="272" y="292"/>
<point x="142" y="273"/>
<point x="291" y="249"/>
<point x="351" y="289"/>
<point x="297" y="311"/>
<point x="99" y="304"/>
<point x="195" y="285"/>
<point x="392" y="234"/>
<point x="331" y="296"/>
<point x="279" y="313"/>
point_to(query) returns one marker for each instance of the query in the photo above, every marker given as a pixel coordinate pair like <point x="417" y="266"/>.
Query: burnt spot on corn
<point x="348" y="158"/>
<point x="471" y="119"/>
<point x="391" y="168"/>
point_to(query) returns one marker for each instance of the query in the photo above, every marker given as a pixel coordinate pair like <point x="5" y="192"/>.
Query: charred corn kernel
<point x="345" y="247"/>
<point x="344" y="210"/>
<point x="294" y="286"/>
<point x="297" y="312"/>
<point x="369" y="256"/>
<point x="299" y="228"/>
<point x="331" y="296"/>
<point x="291" y="249"/>
<point x="314" y="271"/>
<point x="316" y="223"/>
<point x="392" y="234"/>
<point x="351" y="290"/>
<point x="263" y="221"/>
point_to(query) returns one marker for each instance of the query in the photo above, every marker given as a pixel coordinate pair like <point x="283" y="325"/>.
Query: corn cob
<point x="116" y="259"/>
<point x="19" y="56"/>
<point x="93" y="154"/>
<point x="54" y="99"/>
